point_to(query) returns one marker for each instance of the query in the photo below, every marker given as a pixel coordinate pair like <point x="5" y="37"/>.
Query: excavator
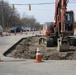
<point x="60" y="32"/>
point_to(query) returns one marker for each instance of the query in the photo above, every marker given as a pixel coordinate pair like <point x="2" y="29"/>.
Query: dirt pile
<point x="26" y="49"/>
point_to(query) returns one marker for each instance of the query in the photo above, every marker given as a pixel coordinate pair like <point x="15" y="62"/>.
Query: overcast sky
<point x="42" y="13"/>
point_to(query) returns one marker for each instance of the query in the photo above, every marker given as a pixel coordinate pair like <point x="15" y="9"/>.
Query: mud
<point x="26" y="49"/>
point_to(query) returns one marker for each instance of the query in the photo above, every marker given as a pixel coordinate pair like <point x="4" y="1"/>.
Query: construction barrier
<point x="38" y="55"/>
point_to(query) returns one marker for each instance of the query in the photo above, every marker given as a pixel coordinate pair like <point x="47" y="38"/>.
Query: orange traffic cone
<point x="6" y="33"/>
<point x="33" y="32"/>
<point x="1" y="60"/>
<point x="38" y="55"/>
<point x="21" y="32"/>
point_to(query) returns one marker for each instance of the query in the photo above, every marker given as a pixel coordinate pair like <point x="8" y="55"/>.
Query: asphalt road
<point x="29" y="67"/>
<point x="12" y="66"/>
<point x="7" y="41"/>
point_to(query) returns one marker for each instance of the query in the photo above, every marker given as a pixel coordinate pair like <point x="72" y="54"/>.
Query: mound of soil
<point x="26" y="49"/>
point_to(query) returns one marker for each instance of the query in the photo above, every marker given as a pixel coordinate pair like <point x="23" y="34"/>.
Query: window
<point x="68" y="17"/>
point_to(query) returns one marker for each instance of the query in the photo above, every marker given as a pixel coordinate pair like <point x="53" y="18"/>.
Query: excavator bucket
<point x="62" y="45"/>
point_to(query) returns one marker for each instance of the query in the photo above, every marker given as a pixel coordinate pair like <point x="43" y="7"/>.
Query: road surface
<point x="12" y="66"/>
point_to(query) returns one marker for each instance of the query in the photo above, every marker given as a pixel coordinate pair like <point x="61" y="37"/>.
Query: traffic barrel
<point x="38" y="55"/>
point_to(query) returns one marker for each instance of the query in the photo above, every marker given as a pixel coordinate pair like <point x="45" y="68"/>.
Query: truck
<point x="60" y="32"/>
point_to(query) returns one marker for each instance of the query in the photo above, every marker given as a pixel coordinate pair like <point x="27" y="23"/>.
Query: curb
<point x="11" y="48"/>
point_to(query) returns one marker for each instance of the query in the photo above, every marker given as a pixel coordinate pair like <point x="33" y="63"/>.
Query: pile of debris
<point x="26" y="49"/>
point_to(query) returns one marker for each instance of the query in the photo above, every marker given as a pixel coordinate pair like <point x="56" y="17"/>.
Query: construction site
<point x="57" y="41"/>
<point x="30" y="48"/>
<point x="26" y="49"/>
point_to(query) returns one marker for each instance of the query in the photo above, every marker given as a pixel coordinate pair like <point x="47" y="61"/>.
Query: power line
<point x="36" y="3"/>
<point x="72" y="2"/>
<point x="39" y="3"/>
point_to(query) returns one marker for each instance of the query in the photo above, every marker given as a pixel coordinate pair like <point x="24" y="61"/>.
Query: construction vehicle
<point x="60" y="32"/>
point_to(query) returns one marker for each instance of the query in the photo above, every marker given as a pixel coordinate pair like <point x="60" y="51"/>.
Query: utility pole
<point x="2" y="14"/>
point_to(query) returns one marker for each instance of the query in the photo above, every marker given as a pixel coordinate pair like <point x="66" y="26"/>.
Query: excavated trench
<point x="26" y="49"/>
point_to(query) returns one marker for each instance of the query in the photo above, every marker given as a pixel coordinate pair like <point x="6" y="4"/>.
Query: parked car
<point x="34" y="29"/>
<point x="28" y="29"/>
<point x="1" y="30"/>
<point x="15" y="28"/>
<point x="24" y="28"/>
